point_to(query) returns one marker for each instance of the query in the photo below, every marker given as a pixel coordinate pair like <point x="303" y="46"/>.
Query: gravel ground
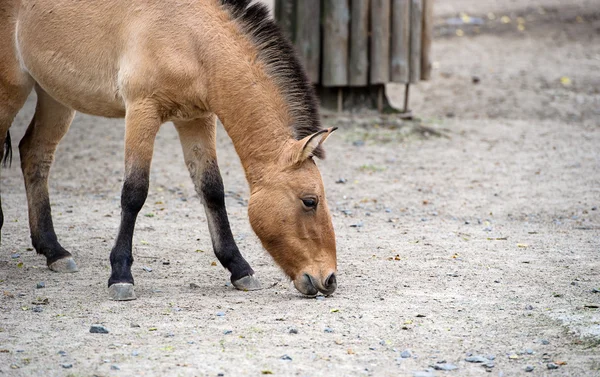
<point x="475" y="249"/>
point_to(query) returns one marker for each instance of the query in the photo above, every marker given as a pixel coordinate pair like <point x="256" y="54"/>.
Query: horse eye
<point x="309" y="202"/>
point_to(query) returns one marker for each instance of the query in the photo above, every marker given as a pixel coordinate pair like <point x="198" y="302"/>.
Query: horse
<point x="187" y="62"/>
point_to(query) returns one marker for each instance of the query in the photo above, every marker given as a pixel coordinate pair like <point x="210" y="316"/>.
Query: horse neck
<point x="252" y="109"/>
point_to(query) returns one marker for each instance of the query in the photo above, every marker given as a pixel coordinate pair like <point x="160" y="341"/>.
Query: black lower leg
<point x="222" y="239"/>
<point x="133" y="196"/>
<point x="43" y="237"/>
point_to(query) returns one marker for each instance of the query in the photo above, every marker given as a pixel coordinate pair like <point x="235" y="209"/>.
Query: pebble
<point x="147" y="269"/>
<point x="115" y="367"/>
<point x="595" y="290"/>
<point x="405" y="354"/>
<point x="488" y="364"/>
<point x="227" y="332"/>
<point x="552" y="366"/>
<point x="358" y="143"/>
<point x="286" y="357"/>
<point x="135" y="353"/>
<point x="41" y="284"/>
<point x="341" y="181"/>
<point x="491" y="357"/>
<point x="293" y="331"/>
<point x="424" y="373"/>
<point x="62" y="353"/>
<point x="15" y="256"/>
<point x="220" y="314"/>
<point x="476" y="359"/>
<point x="134" y="325"/>
<point x="529" y="368"/>
<point x="98" y="329"/>
<point x="529" y="351"/>
<point x="545" y="342"/>
<point x="445" y="366"/>
<point x="357" y="225"/>
<point x="319" y="298"/>
<point x="328" y="330"/>
<point x="67" y="365"/>
<point x="528" y="307"/>
<point x="37" y="309"/>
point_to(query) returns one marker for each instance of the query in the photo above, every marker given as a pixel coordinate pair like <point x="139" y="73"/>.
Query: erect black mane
<point x="278" y="55"/>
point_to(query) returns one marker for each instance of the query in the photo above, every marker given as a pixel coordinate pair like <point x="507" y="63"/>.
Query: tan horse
<point x="185" y="61"/>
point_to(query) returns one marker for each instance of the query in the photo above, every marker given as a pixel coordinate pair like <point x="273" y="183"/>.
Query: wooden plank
<point x="400" y="41"/>
<point x="336" y="30"/>
<point x="416" y="22"/>
<point x="284" y="14"/>
<point x="308" y="36"/>
<point x="359" y="43"/>
<point x="380" y="42"/>
<point x="426" y="61"/>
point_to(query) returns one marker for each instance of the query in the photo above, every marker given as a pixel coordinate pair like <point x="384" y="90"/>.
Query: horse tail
<point x="7" y="158"/>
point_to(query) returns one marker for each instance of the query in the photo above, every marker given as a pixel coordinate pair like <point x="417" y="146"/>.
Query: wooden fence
<point x="351" y="48"/>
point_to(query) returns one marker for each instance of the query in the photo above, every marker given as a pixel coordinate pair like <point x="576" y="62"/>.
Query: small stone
<point x="491" y="357"/>
<point x="513" y="356"/>
<point x="529" y="368"/>
<point x="529" y="351"/>
<point x="286" y="358"/>
<point x="545" y="342"/>
<point x="341" y="181"/>
<point x="194" y="285"/>
<point x="98" y="329"/>
<point x="293" y="331"/>
<point x="405" y="354"/>
<point x="528" y="307"/>
<point x="372" y="348"/>
<point x="115" y="367"/>
<point x="135" y="353"/>
<point x="62" y="353"/>
<point x="476" y="359"/>
<point x="596" y="290"/>
<point x="444" y="366"/>
<point x="488" y="364"/>
<point x="227" y="332"/>
<point x="552" y="366"/>
<point x="169" y="335"/>
<point x="15" y="256"/>
<point x="37" y="309"/>
<point x="41" y="284"/>
<point x="320" y="298"/>
<point x="358" y="143"/>
<point x="220" y="374"/>
<point x="147" y="269"/>
<point x="594" y="208"/>
<point x="220" y="314"/>
<point x="328" y="330"/>
<point x="357" y="225"/>
<point x="134" y="325"/>
<point x="423" y="373"/>
<point x="67" y="365"/>
<point x="475" y="79"/>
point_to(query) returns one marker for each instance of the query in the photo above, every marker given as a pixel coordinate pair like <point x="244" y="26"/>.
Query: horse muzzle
<point x="311" y="286"/>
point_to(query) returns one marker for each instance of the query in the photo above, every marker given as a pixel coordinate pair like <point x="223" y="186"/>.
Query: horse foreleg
<point x="48" y="126"/>
<point x="141" y="126"/>
<point x="198" y="140"/>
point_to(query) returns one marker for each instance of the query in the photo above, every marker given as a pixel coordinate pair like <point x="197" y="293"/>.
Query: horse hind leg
<point x="48" y="126"/>
<point x="198" y="140"/>
<point x="12" y="98"/>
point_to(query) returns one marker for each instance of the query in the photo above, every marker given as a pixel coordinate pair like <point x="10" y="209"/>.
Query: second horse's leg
<point x="198" y="140"/>
<point x="50" y="123"/>
<point x="141" y="126"/>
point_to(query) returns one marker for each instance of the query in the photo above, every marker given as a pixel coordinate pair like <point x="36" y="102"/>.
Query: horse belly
<point x="75" y="62"/>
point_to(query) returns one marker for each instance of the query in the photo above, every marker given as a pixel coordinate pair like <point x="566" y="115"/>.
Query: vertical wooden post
<point x="426" y="61"/>
<point x="380" y="42"/>
<point x="416" y="22"/>
<point x="284" y="14"/>
<point x="308" y="36"/>
<point x="400" y="41"/>
<point x="359" y="43"/>
<point x="336" y="30"/>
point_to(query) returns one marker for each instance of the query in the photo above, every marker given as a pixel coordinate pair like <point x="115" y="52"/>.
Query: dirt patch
<point x="480" y="242"/>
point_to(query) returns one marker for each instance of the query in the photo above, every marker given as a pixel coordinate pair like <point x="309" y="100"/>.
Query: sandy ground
<point x="483" y="242"/>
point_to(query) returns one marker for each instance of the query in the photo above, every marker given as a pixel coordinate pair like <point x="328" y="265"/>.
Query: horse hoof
<point x="247" y="283"/>
<point x="121" y="292"/>
<point x="64" y="265"/>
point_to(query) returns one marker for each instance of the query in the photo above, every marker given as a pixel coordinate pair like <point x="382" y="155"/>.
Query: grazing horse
<point x="189" y="62"/>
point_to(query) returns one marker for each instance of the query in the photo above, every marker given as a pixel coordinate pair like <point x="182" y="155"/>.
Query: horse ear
<point x="307" y="147"/>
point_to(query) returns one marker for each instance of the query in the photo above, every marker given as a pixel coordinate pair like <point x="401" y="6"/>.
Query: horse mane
<point x="279" y="56"/>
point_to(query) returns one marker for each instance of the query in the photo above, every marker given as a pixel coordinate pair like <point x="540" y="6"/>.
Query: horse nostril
<point x="330" y="282"/>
